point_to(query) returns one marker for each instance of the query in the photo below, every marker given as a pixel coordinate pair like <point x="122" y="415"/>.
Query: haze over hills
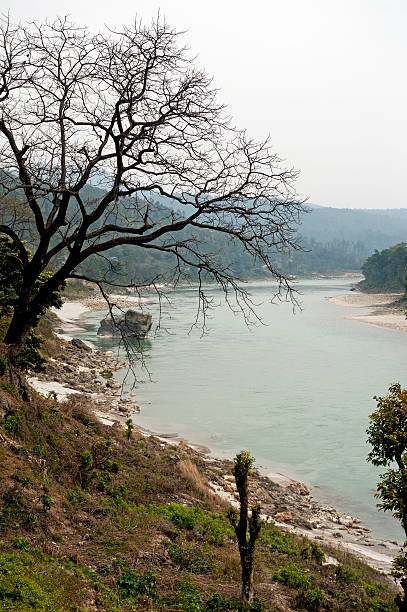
<point x="334" y="240"/>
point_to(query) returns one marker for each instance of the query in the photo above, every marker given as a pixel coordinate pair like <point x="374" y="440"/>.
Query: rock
<point x="4" y="405"/>
<point x="77" y="343"/>
<point x="134" y="324"/>
<point x="346" y="520"/>
<point x="283" y="517"/>
<point x="299" y="487"/>
<point x="113" y="384"/>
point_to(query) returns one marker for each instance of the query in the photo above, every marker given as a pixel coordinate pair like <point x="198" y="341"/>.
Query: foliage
<point x="29" y="357"/>
<point x="188" y="597"/>
<point x="131" y="584"/>
<point x="387" y="434"/>
<point x="46" y="501"/>
<point x="292" y="575"/>
<point x="11" y="267"/>
<point x="386" y="270"/>
<point x="129" y="429"/>
<point x="11" y="422"/>
<point x="313" y="599"/>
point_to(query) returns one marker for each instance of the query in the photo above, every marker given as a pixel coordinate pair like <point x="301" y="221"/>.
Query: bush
<point x="312" y="599"/>
<point x="131" y="584"/>
<point x="75" y="498"/>
<point x="11" y="423"/>
<point x="189" y="597"/>
<point x="293" y="576"/>
<point x="313" y="551"/>
<point x="20" y="543"/>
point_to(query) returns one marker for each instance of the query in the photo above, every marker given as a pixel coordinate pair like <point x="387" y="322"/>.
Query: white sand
<point x="46" y="387"/>
<point x="375" y="304"/>
<point x="355" y="299"/>
<point x="70" y="311"/>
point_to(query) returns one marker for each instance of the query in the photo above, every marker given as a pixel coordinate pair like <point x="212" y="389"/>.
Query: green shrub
<point x="20" y="543"/>
<point x="11" y="422"/>
<point x="347" y="575"/>
<point x="46" y="501"/>
<point x="188" y="597"/>
<point x="214" y="527"/>
<point x="75" y="497"/>
<point x="312" y="551"/>
<point x="8" y="386"/>
<point x="29" y="521"/>
<point x="312" y="599"/>
<point x="131" y="584"/>
<point x="258" y="604"/>
<point x="293" y="576"/>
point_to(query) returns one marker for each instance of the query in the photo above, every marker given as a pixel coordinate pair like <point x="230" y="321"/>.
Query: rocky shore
<point x="81" y="368"/>
<point x="290" y="504"/>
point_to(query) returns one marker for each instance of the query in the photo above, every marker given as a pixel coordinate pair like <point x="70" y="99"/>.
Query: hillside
<point x="386" y="270"/>
<point x="94" y="519"/>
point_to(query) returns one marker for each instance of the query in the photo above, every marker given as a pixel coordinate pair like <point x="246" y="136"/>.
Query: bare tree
<point x="128" y="111"/>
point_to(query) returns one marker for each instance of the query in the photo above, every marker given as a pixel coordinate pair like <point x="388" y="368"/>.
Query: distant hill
<point x="334" y="240"/>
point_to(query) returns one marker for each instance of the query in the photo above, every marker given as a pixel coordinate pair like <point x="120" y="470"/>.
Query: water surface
<point x="296" y="392"/>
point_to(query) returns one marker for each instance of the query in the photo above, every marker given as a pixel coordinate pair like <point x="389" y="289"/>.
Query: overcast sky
<point x="325" y="78"/>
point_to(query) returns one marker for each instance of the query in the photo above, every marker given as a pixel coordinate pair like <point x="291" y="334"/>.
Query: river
<point x="296" y="390"/>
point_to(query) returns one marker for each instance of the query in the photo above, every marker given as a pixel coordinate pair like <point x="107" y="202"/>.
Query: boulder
<point x="80" y="344"/>
<point x="134" y="324"/>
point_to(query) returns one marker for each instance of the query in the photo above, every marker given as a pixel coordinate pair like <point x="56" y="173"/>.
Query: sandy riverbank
<point x="381" y="312"/>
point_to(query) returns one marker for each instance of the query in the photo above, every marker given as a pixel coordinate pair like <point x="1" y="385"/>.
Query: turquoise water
<point x="296" y="392"/>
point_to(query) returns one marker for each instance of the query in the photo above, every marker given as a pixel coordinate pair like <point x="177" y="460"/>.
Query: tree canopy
<point x="128" y="111"/>
<point x="386" y="270"/>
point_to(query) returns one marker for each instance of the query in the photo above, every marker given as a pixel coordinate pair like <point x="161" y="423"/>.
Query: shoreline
<point x="284" y="500"/>
<point x="381" y="311"/>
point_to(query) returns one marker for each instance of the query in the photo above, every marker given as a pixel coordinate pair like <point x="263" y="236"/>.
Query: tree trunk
<point x="401" y="602"/>
<point x="22" y="322"/>
<point x="247" y="583"/>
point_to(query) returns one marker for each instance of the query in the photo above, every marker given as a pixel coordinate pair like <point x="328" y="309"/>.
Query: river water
<point x="296" y="391"/>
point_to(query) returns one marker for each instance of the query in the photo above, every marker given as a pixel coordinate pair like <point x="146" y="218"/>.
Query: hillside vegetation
<point x="386" y="270"/>
<point x="94" y="519"/>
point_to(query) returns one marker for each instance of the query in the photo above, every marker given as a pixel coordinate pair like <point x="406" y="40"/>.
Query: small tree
<point x="387" y="434"/>
<point x="130" y="427"/>
<point x="246" y="524"/>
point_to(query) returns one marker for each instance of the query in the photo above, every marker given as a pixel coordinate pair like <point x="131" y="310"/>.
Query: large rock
<point x="134" y="324"/>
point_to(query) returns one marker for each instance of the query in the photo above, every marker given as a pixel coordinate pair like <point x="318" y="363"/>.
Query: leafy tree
<point x="128" y="111"/>
<point x="387" y="433"/>
<point x="386" y="270"/>
<point x="247" y="524"/>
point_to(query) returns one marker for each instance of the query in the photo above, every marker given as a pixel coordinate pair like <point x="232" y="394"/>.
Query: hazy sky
<point x="325" y="78"/>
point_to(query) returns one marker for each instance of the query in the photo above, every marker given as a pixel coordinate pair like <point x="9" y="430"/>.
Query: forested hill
<point x="387" y="270"/>
<point x="334" y="240"/>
